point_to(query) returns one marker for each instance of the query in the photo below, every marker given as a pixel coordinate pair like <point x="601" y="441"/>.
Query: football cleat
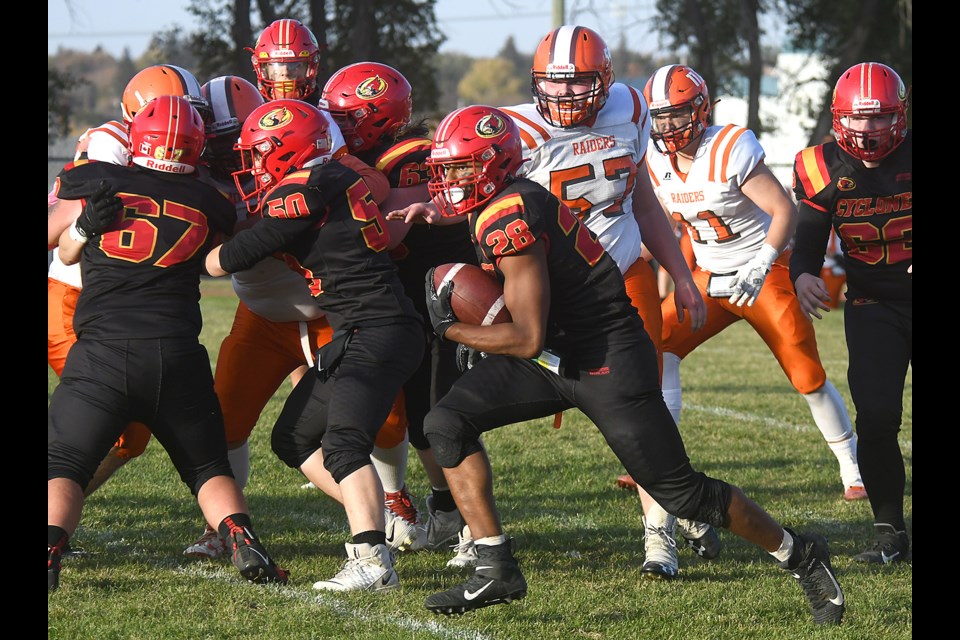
<point x="54" y="554"/>
<point x="496" y="580"/>
<point x="209" y="545"/>
<point x="626" y="482"/>
<point x="660" y="547"/>
<point x="891" y="546"/>
<point x="855" y="492"/>
<point x="465" y="550"/>
<point x="401" y="535"/>
<point x="702" y="538"/>
<point x="442" y="528"/>
<point x="810" y="565"/>
<point x="251" y="559"/>
<point x="400" y="503"/>
<point x="368" y="568"/>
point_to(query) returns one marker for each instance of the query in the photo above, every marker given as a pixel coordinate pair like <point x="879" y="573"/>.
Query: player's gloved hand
<point x="99" y="212"/>
<point x="438" y="305"/>
<point x="751" y="276"/>
<point x="468" y="357"/>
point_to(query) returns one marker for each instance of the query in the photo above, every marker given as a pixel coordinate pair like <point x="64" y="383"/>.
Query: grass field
<point x="578" y="538"/>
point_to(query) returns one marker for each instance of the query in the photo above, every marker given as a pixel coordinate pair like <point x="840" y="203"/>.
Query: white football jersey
<point x="106" y="143"/>
<point x="592" y="169"/>
<point x="726" y="227"/>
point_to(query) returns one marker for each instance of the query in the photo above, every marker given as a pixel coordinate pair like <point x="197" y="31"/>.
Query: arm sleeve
<point x="251" y="245"/>
<point x="810" y="241"/>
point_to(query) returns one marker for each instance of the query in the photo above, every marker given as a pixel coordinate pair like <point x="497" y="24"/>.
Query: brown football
<point x="477" y="296"/>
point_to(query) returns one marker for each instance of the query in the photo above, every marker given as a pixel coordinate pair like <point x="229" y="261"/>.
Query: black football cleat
<point x="496" y="580"/>
<point x="810" y="565"/>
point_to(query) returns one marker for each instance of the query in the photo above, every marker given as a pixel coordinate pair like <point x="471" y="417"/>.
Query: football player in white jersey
<point x="713" y="181"/>
<point x="106" y="143"/>
<point x="585" y="138"/>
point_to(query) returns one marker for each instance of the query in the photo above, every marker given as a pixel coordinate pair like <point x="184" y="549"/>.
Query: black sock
<point x="56" y="536"/>
<point x="443" y="500"/>
<point x="370" y="537"/>
<point x="236" y="520"/>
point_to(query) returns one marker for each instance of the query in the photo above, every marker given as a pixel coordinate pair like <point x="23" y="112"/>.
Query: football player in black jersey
<point x="862" y="186"/>
<point x="140" y="240"/>
<point x="372" y="104"/>
<point x="575" y="340"/>
<point x="320" y="218"/>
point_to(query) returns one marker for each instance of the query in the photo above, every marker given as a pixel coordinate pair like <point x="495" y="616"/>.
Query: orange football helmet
<point x="369" y="101"/>
<point x="278" y="137"/>
<point x="869" y="89"/>
<point x="231" y="100"/>
<point x="577" y="55"/>
<point x="167" y="135"/>
<point x="286" y="59"/>
<point x="677" y="89"/>
<point x="162" y="80"/>
<point x="475" y="151"/>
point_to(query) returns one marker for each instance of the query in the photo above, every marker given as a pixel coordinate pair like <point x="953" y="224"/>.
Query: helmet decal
<point x="372" y="88"/>
<point x="276" y="119"/>
<point x="490" y="126"/>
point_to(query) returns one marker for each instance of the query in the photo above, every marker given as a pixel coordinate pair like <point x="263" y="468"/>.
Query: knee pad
<point x="449" y="451"/>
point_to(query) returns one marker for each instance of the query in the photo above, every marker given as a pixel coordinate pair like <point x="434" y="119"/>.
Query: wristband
<point x="767" y="254"/>
<point x="77" y="235"/>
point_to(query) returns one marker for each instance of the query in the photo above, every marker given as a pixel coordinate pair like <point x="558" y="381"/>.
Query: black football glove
<point x="438" y="305"/>
<point x="468" y="357"/>
<point x="99" y="212"/>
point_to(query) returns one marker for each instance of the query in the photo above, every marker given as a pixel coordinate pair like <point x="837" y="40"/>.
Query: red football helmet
<point x="869" y="89"/>
<point x="162" y="80"/>
<point x="231" y="100"/>
<point x="474" y="153"/>
<point x="369" y="101"/>
<point x="677" y="89"/>
<point x="278" y="137"/>
<point x="167" y="134"/>
<point x="577" y="55"/>
<point x="286" y="59"/>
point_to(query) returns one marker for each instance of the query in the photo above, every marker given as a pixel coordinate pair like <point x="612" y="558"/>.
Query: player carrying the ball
<point x="574" y="341"/>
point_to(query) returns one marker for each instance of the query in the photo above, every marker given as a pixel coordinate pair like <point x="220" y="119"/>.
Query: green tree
<point x="59" y="102"/>
<point x="722" y="38"/>
<point x="848" y="33"/>
<point x="496" y="82"/>
<point x="401" y="33"/>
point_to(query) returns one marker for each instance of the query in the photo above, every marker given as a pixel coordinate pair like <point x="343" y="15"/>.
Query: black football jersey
<point x="324" y="224"/>
<point x="141" y="278"/>
<point x="404" y="163"/>
<point x="871" y="210"/>
<point x="589" y="306"/>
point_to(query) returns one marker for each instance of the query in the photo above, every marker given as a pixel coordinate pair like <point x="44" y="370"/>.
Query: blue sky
<point x="475" y="27"/>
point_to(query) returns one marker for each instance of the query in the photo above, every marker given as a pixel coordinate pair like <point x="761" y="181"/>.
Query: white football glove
<point x="751" y="276"/>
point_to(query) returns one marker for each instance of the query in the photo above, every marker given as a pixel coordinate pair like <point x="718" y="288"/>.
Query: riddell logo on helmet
<point x="166" y="166"/>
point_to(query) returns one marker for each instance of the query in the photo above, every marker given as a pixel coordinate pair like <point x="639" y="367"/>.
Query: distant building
<point x="790" y="95"/>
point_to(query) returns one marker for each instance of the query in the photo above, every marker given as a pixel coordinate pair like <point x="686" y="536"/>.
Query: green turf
<point x="578" y="538"/>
